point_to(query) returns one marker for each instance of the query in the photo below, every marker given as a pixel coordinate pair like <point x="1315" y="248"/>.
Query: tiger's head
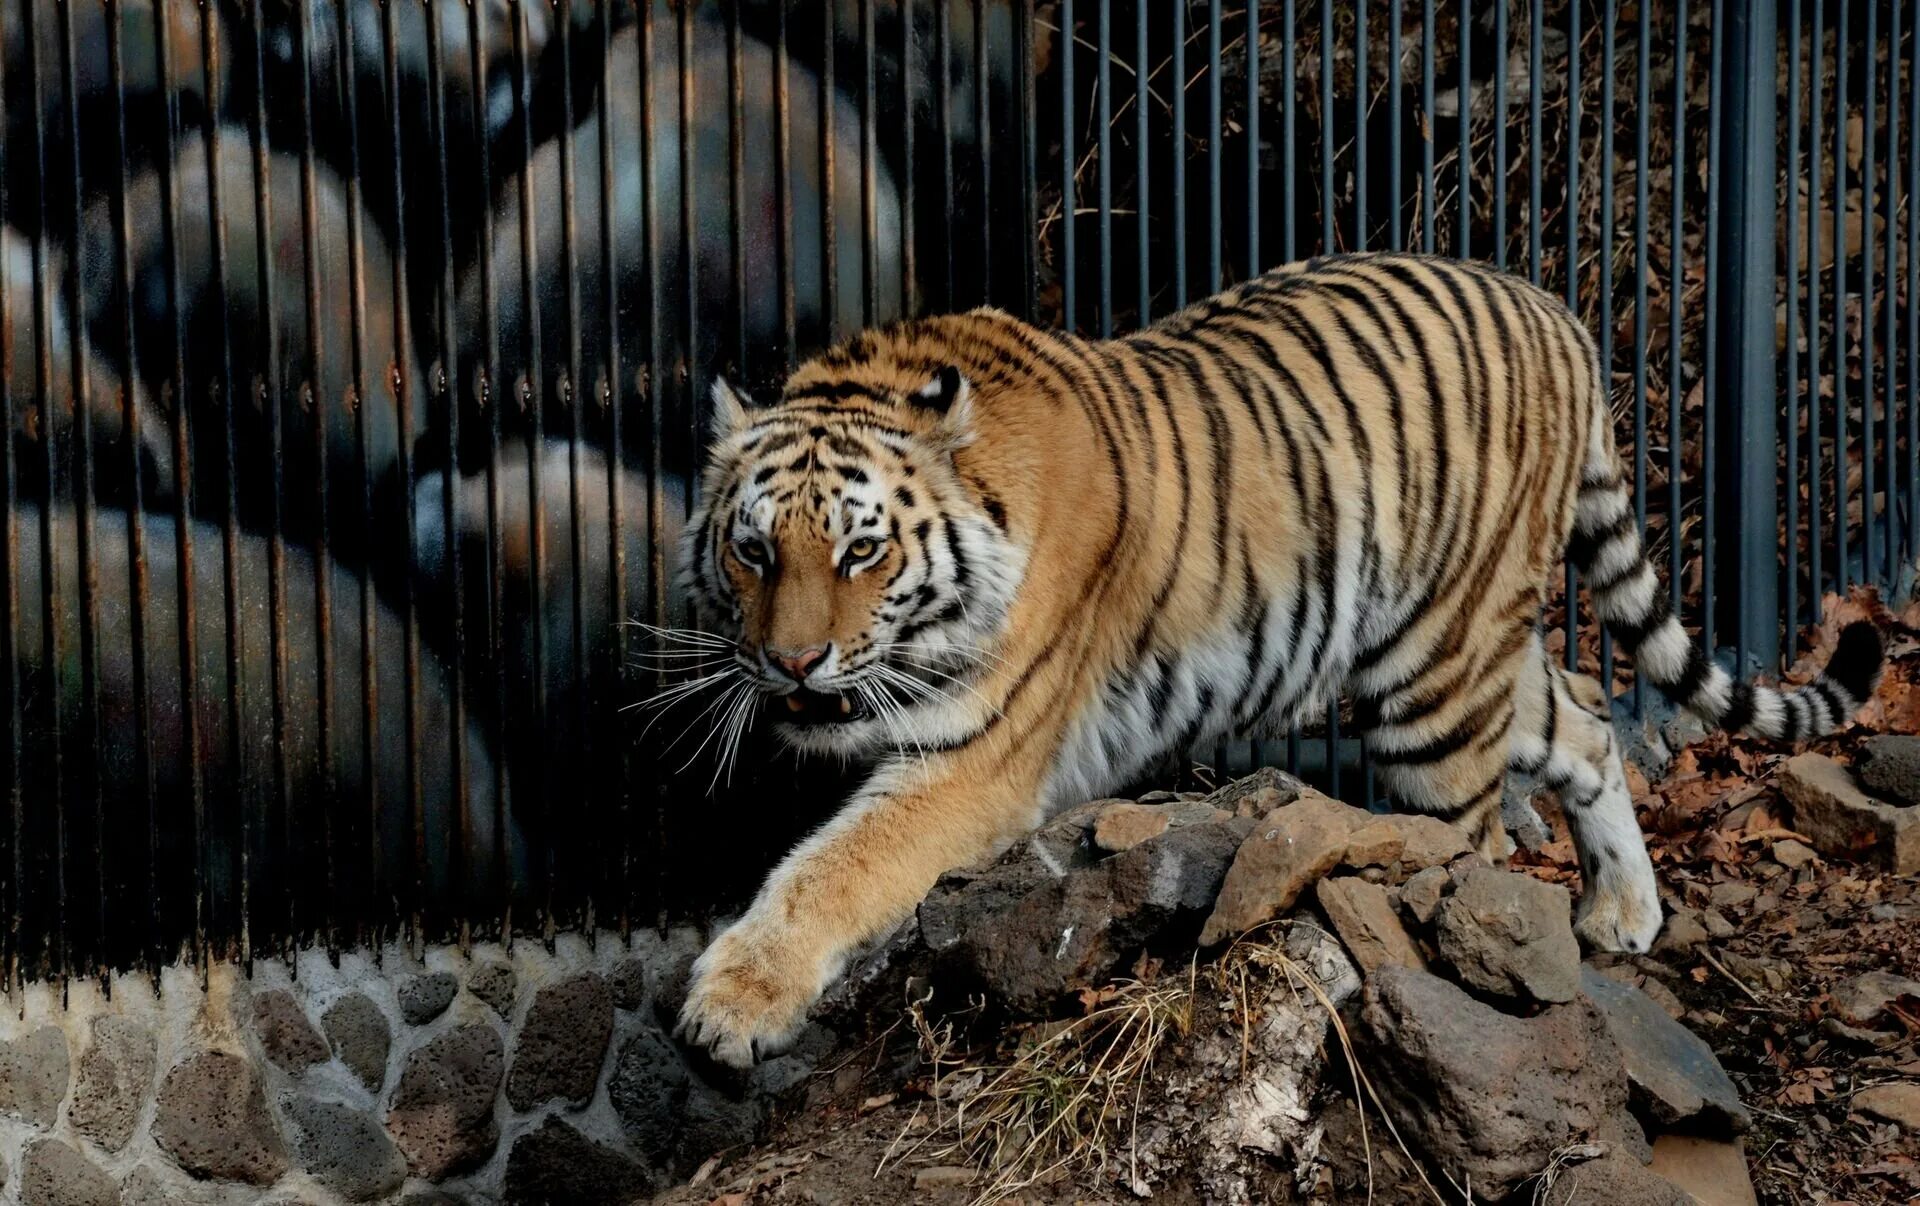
<point x="860" y="575"/>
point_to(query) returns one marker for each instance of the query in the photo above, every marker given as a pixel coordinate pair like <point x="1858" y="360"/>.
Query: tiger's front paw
<point x="747" y="997"/>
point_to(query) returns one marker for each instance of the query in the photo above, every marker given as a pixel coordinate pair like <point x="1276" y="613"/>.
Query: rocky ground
<point x="1259" y="994"/>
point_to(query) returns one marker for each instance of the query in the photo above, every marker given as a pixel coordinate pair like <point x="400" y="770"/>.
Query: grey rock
<point x="713" y="1122"/>
<point x="53" y="1173"/>
<point x="1845" y="822"/>
<point x="1284" y="854"/>
<point x="361" y="1038"/>
<point x="1420" y="895"/>
<point x="628" y="980"/>
<point x="1672" y="1076"/>
<point x="1030" y="930"/>
<point x="344" y="1149"/>
<point x="1362" y="914"/>
<point x="424" y="998"/>
<point x="1510" y="935"/>
<point x="1615" y="1179"/>
<point x="442" y="1111"/>
<point x="1484" y="1094"/>
<point x="146" y="1187"/>
<point x="1684" y="930"/>
<point x="496" y="984"/>
<point x="34" y="1071"/>
<point x="286" y="1035"/>
<point x="115" y="1076"/>
<point x="648" y="1090"/>
<point x="1890" y="767"/>
<point x="562" y="1043"/>
<point x="212" y="1119"/>
<point x="556" y="1163"/>
<point x="1863" y="1000"/>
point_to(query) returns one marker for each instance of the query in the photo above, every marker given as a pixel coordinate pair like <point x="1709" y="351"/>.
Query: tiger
<point x="1015" y="567"/>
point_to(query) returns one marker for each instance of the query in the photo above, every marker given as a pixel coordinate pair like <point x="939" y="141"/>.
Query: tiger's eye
<point x="752" y="552"/>
<point x="862" y="548"/>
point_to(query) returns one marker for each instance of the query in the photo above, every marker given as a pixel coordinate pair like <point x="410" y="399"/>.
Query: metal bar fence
<point x="332" y="486"/>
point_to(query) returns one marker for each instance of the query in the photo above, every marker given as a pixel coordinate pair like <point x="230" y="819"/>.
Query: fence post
<point x="1747" y="400"/>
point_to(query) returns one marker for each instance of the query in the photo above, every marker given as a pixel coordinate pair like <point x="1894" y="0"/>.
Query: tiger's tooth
<point x="846" y="706"/>
<point x="794" y="704"/>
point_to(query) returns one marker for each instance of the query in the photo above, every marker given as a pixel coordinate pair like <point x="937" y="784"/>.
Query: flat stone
<point x="1481" y="1093"/>
<point x="1375" y="845"/>
<point x="1844" y="822"/>
<point x="286" y="1035"/>
<point x="1714" y="1171"/>
<point x="344" y="1149"/>
<point x="424" y="998"/>
<point x="1672" y="1076"/>
<point x="212" y="1119"/>
<point x="1889" y="765"/>
<point x="1717" y="924"/>
<point x="1030" y="930"/>
<point x="1362" y="914"/>
<point x="442" y="1111"/>
<point x="1732" y="893"/>
<point x="1863" y="1000"/>
<point x="497" y="983"/>
<point x="1793" y="854"/>
<point x="115" y="1076"/>
<point x="1510" y="935"/>
<point x="1615" y="1179"/>
<point x="648" y="1090"/>
<point x="1426" y="841"/>
<point x="1684" y="931"/>
<point x="1288" y="851"/>
<point x="1898" y="1103"/>
<point x="145" y="1186"/>
<point x="1258" y="794"/>
<point x="562" y="1042"/>
<point x="1123" y="825"/>
<point x="53" y="1173"/>
<point x="33" y="1076"/>
<point x="360" y="1037"/>
<point x="1420" y="895"/>
<point x="556" y="1163"/>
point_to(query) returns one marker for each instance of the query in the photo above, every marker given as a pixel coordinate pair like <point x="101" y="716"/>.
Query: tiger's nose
<point x="798" y="665"/>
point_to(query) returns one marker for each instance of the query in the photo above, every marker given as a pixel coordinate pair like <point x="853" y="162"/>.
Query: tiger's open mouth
<point x="815" y="708"/>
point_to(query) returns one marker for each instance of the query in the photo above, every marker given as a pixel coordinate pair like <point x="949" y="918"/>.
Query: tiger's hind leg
<point x="1574" y="752"/>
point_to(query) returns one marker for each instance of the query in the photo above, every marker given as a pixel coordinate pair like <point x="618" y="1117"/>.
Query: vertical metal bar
<point x="1068" y="260"/>
<point x="267" y="391"/>
<point x="1463" y="240"/>
<point x="983" y="123"/>
<point x="131" y="416"/>
<point x="1396" y="118"/>
<point x="1536" y="90"/>
<point x="737" y="177"/>
<point x="1642" y="265"/>
<point x="1749" y="386"/>
<point x="611" y="398"/>
<point x="315" y="404"/>
<point x="1103" y="142"/>
<point x="1676" y="292"/>
<point x="442" y="389"/>
<point x="783" y="179"/>
<point x="1029" y="154"/>
<point x="1362" y="85"/>
<point x="829" y="251"/>
<point x="404" y="389"/>
<point x="1791" y="615"/>
<point x="1429" y="201"/>
<point x="1289" y="137"/>
<point x="909" y="274"/>
<point x="1890" y="306"/>
<point x="1842" y="571"/>
<point x="12" y="972"/>
<point x="655" y="388"/>
<point x="1252" y="136"/>
<point x="1216" y="152"/>
<point x="240" y="795"/>
<point x="1142" y="182"/>
<point x="869" y="154"/>
<point x="80" y="405"/>
<point x="1609" y="66"/>
<point x="1816" y="62"/>
<point x="942" y="40"/>
<point x="1179" y="165"/>
<point x="1501" y="167"/>
<point x="1710" y="367"/>
<point x="1573" y="267"/>
<point x="571" y="397"/>
<point x="1870" y="547"/>
<point x="1913" y="291"/>
<point x="1328" y="227"/>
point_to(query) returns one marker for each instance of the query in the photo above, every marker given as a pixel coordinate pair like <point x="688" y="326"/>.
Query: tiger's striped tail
<point x="1631" y="601"/>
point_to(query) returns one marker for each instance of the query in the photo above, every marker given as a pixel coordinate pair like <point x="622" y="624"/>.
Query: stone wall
<point x="522" y="1076"/>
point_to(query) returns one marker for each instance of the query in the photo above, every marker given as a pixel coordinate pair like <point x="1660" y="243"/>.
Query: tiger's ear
<point x="950" y="395"/>
<point x="730" y="407"/>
